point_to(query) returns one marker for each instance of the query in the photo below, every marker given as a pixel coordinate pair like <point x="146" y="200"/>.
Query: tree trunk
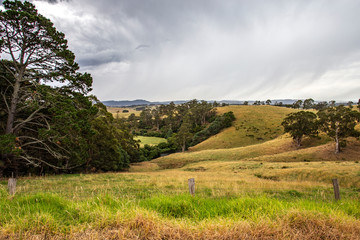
<point x="337" y="142"/>
<point x="14" y="101"/>
<point x="203" y="120"/>
<point x="298" y="142"/>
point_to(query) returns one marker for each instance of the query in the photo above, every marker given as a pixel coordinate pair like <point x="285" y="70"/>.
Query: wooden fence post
<point x="12" y="186"/>
<point x="191" y="183"/>
<point x="336" y="189"/>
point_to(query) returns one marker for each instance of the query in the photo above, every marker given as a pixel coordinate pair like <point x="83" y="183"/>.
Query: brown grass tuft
<point x="294" y="225"/>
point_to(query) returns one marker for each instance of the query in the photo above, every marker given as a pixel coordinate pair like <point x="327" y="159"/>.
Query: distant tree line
<point x="311" y="104"/>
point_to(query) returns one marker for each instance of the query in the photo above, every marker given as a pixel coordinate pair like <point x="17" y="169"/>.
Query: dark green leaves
<point x="300" y="124"/>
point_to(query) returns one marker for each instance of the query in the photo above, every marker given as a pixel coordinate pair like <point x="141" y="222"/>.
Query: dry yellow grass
<point x="270" y="150"/>
<point x="295" y="225"/>
<point x="118" y="112"/>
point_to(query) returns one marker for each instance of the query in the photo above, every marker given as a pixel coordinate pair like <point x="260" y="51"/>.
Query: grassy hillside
<point x="253" y="125"/>
<point x="279" y="149"/>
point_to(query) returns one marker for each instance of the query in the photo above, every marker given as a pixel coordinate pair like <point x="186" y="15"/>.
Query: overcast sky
<point x="214" y="49"/>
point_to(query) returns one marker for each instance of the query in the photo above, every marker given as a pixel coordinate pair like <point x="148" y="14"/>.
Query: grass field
<point x="152" y="141"/>
<point x="266" y="189"/>
<point x="118" y="112"/>
<point x="260" y="198"/>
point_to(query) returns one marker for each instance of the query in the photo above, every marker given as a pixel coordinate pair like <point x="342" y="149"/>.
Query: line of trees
<point x="47" y="120"/>
<point x="338" y="122"/>
<point x="310" y="104"/>
<point x="163" y="120"/>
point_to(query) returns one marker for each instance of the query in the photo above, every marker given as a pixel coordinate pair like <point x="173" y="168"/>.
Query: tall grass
<point x="50" y="215"/>
<point x="246" y="208"/>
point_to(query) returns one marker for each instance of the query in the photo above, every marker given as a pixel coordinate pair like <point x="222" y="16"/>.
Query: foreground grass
<point x="233" y="200"/>
<point x="39" y="213"/>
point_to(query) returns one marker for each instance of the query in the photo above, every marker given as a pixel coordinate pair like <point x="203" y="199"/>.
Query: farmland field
<point x="151" y="141"/>
<point x="118" y="111"/>
<point x="257" y="189"/>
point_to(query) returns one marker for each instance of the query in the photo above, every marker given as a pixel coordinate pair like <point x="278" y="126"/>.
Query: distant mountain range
<point x="137" y="102"/>
<point x="141" y="102"/>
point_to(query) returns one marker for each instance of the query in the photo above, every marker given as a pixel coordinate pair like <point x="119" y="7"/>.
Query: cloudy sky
<point x="214" y="49"/>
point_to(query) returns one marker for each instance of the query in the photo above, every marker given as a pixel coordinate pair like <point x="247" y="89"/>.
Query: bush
<point x="149" y="133"/>
<point x="150" y="152"/>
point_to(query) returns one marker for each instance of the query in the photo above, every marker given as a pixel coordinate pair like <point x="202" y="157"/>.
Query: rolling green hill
<point x="253" y="125"/>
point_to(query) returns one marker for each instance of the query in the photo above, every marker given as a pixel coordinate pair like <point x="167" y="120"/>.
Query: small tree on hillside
<point x="320" y="105"/>
<point x="184" y="135"/>
<point x="300" y="124"/>
<point x="268" y="102"/>
<point x="339" y="122"/>
<point x="297" y="104"/>
<point x="332" y="103"/>
<point x="308" y="103"/>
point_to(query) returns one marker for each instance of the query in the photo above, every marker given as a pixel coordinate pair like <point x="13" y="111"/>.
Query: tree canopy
<point x="300" y="124"/>
<point x="339" y="122"/>
<point x="50" y="126"/>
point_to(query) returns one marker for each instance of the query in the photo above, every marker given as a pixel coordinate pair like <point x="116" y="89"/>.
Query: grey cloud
<point x="213" y="49"/>
<point x="142" y="46"/>
<point x="99" y="59"/>
<point x="52" y="1"/>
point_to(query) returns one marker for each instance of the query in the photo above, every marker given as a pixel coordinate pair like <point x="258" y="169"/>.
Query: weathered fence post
<point x="12" y="185"/>
<point x="336" y="189"/>
<point x="191" y="183"/>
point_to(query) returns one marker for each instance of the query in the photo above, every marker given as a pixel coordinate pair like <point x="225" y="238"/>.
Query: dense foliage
<point x="339" y="122"/>
<point x="55" y="127"/>
<point x="300" y="124"/>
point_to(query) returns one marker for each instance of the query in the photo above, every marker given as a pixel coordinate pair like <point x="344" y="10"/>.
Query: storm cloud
<point x="168" y="50"/>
